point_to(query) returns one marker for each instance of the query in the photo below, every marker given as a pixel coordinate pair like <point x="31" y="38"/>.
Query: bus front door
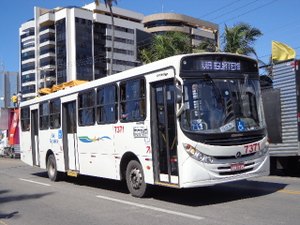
<point x="69" y="130"/>
<point x="164" y="136"/>
<point x="35" y="138"/>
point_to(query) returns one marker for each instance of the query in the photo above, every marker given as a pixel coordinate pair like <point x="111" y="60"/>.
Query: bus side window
<point x="132" y="102"/>
<point x="55" y="106"/>
<point x="86" y="108"/>
<point x="107" y="104"/>
<point x="25" y="119"/>
<point x="44" y="115"/>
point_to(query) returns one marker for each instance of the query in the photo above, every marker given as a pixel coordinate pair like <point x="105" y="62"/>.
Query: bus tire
<point x="135" y="179"/>
<point x="53" y="174"/>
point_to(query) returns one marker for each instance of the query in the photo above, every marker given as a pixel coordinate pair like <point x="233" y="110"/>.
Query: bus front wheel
<point x="135" y="179"/>
<point x="52" y="168"/>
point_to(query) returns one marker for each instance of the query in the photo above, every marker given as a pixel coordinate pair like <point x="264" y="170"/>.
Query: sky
<point x="278" y="20"/>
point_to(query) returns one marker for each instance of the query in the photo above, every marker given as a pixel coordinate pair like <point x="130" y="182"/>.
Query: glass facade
<point x="99" y="50"/>
<point x="61" y="51"/>
<point x="84" y="57"/>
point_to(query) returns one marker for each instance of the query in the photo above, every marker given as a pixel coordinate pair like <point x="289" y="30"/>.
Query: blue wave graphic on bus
<point x="86" y="139"/>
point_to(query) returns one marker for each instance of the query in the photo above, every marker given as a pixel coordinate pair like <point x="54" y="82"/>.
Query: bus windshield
<point x="222" y="105"/>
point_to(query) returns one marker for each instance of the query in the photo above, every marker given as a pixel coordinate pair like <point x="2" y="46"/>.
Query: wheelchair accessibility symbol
<point x="240" y="125"/>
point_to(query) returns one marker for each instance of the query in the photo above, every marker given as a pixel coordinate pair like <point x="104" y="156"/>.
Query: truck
<point x="281" y="100"/>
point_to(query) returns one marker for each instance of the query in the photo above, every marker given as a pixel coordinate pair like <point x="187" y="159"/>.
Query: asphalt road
<point x="28" y="197"/>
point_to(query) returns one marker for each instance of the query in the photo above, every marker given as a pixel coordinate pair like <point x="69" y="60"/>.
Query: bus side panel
<point x="96" y="151"/>
<point x="135" y="138"/>
<point x="26" y="148"/>
<point x="49" y="141"/>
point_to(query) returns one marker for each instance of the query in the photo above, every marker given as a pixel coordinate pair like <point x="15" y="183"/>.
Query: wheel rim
<point x="136" y="178"/>
<point x="51" y="169"/>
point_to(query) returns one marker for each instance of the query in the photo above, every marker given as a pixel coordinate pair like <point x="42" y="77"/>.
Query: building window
<point x="27" y="55"/>
<point x="55" y="106"/>
<point x="28" y="89"/>
<point x="107" y="104"/>
<point x="47" y="37"/>
<point x="27" y="44"/>
<point x="25" y="119"/>
<point x="28" y="32"/>
<point x="48" y="61"/>
<point x="47" y="49"/>
<point x="132" y="103"/>
<point x="28" y="77"/>
<point x="86" y="108"/>
<point x="28" y="66"/>
<point x="44" y="116"/>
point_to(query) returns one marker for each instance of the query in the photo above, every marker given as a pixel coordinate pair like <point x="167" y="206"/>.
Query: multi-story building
<point x="75" y="43"/>
<point x="8" y="86"/>
<point x="72" y="43"/>
<point x="198" y="30"/>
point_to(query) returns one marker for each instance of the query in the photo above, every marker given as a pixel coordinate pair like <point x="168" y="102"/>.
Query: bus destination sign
<point x="218" y="63"/>
<point x="206" y="65"/>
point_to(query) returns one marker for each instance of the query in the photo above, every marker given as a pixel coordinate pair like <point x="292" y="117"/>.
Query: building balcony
<point x="46" y="31"/>
<point x="28" y="61"/>
<point x="46" y="19"/>
<point x="28" y="49"/>
<point x="48" y="42"/>
<point x="47" y="54"/>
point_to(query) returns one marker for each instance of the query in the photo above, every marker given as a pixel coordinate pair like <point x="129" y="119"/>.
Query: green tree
<point x="206" y="46"/>
<point x="109" y="4"/>
<point x="165" y="45"/>
<point x="240" y="39"/>
<point x="237" y="39"/>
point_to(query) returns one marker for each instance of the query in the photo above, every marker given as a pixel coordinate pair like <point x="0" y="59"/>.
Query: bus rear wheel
<point x="53" y="174"/>
<point x="135" y="179"/>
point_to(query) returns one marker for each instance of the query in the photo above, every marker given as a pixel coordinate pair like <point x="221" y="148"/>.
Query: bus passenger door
<point x="164" y="135"/>
<point x="35" y="138"/>
<point x="69" y="130"/>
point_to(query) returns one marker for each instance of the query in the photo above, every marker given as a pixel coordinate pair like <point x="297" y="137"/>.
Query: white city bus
<point x="185" y="121"/>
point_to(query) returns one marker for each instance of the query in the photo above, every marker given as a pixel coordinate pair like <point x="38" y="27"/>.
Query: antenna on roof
<point x="162" y="6"/>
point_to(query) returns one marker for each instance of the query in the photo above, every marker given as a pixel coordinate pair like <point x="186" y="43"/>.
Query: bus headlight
<point x="196" y="154"/>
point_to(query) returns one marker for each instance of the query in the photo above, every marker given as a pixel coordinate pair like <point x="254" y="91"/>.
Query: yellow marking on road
<point x="292" y="192"/>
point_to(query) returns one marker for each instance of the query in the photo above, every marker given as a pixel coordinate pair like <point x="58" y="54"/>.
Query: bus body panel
<point x="26" y="150"/>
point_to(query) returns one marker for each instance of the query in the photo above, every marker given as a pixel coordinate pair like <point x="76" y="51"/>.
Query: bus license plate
<point x="237" y="166"/>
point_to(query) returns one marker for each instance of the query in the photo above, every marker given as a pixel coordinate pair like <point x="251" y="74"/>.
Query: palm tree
<point x="237" y="39"/>
<point x="206" y="46"/>
<point x="109" y="3"/>
<point x="240" y="39"/>
<point x="165" y="45"/>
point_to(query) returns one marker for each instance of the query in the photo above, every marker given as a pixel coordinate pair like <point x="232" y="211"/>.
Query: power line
<point x="251" y="10"/>
<point x="219" y="9"/>
<point x="243" y="6"/>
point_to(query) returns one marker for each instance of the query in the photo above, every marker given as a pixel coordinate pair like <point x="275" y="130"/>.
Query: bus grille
<point x="233" y="140"/>
<point x="234" y="157"/>
<point x="235" y="172"/>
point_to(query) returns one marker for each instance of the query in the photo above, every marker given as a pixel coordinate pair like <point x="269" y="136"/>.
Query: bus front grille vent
<point x="234" y="141"/>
